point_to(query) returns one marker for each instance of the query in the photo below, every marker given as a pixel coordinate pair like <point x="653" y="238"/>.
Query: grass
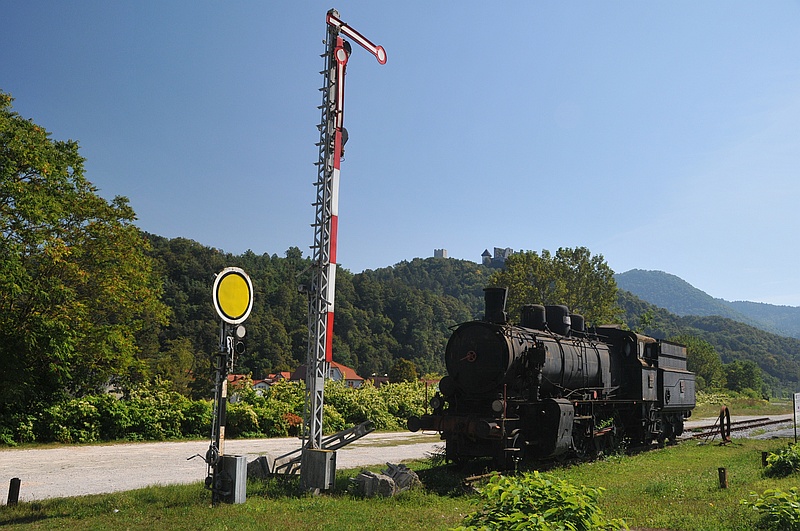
<point x="673" y="488"/>
<point x="275" y="504"/>
<point x="739" y="405"/>
<point x="678" y="487"/>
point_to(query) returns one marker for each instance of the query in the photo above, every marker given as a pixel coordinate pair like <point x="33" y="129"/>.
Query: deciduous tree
<point x="744" y="374"/>
<point x="76" y="286"/>
<point x="703" y="360"/>
<point x="573" y="277"/>
<point x="403" y="370"/>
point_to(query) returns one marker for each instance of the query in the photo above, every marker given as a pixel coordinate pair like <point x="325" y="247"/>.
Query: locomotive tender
<point x="547" y="387"/>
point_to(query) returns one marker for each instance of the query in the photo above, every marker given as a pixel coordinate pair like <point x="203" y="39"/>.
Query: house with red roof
<point x="337" y="373"/>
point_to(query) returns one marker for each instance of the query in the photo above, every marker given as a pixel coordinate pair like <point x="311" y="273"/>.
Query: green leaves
<point x="573" y="277"/>
<point x="537" y="501"/>
<point x="779" y="510"/>
<point x="783" y="462"/>
<point x="75" y="285"/>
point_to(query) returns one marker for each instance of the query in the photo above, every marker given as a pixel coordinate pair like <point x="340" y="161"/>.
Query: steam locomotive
<point x="548" y="387"/>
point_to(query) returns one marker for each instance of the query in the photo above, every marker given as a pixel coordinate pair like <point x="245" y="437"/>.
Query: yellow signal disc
<point x="233" y="295"/>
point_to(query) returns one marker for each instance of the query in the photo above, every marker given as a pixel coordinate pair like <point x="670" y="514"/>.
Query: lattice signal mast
<point x="331" y="142"/>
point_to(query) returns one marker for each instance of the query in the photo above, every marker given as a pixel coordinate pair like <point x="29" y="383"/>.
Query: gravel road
<point x="95" y="469"/>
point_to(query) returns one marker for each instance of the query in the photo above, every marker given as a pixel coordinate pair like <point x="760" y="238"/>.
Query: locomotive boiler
<point x="548" y="387"/>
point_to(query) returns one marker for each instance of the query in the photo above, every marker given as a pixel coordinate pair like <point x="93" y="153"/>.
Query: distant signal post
<point x="232" y="295"/>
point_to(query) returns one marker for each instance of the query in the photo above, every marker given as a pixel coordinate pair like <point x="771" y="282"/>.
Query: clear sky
<point x="662" y="135"/>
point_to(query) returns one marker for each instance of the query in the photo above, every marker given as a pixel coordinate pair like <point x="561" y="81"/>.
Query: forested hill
<point x="777" y="356"/>
<point x="382" y="315"/>
<point x="681" y="298"/>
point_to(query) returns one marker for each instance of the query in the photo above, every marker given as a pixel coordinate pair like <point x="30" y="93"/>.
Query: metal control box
<point x="234" y="470"/>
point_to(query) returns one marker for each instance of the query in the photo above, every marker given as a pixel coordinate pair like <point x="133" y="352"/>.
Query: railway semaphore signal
<point x="319" y="465"/>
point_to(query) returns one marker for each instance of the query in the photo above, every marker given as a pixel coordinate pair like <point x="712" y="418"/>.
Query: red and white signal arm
<point x="233" y="295"/>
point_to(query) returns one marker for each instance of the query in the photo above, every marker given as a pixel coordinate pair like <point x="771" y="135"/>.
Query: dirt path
<point x="80" y="470"/>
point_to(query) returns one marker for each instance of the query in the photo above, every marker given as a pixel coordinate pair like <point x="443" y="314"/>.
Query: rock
<point x="260" y="468"/>
<point x="393" y="480"/>
<point x="369" y="484"/>
<point x="404" y="478"/>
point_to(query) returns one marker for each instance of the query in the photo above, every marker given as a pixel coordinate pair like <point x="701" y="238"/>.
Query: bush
<point x="154" y="413"/>
<point x="74" y="421"/>
<point x="358" y="405"/>
<point x="241" y="420"/>
<point x="332" y="421"/>
<point x="405" y="399"/>
<point x="534" y="501"/>
<point x="196" y="420"/>
<point x="17" y="428"/>
<point x="784" y="462"/>
<point x="779" y="510"/>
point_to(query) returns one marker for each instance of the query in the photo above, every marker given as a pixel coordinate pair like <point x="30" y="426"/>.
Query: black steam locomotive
<point x="548" y="387"/>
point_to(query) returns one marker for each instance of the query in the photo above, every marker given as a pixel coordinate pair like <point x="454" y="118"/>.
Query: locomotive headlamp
<point x="436" y="402"/>
<point x="497" y="406"/>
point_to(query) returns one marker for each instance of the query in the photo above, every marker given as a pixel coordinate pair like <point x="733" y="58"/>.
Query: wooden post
<point x="723" y="478"/>
<point x="13" y="491"/>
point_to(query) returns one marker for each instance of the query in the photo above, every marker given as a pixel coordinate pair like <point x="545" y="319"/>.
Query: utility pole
<point x="318" y="465"/>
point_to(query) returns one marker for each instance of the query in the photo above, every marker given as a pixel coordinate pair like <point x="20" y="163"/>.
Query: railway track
<point x="724" y="427"/>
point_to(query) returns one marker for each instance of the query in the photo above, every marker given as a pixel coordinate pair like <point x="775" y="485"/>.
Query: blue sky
<point x="662" y="135"/>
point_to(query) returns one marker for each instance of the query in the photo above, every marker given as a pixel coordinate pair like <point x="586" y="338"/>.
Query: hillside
<point x="402" y="311"/>
<point x="681" y="298"/>
<point x="784" y="319"/>
<point x="778" y="356"/>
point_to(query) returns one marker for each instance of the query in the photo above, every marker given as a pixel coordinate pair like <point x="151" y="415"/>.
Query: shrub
<point x="535" y="501"/>
<point x="17" y="428"/>
<point x="153" y="413"/>
<point x="241" y="420"/>
<point x="404" y="399"/>
<point x="196" y="421"/>
<point x="784" y="462"/>
<point x="74" y="421"/>
<point x="276" y="418"/>
<point x="779" y="510"/>
<point x="332" y="421"/>
<point x="290" y="393"/>
<point x="358" y="405"/>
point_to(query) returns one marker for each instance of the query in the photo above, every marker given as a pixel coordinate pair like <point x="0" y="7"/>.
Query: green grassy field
<point x="670" y="488"/>
<point x="739" y="406"/>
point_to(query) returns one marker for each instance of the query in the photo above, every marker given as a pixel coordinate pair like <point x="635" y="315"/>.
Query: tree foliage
<point x="381" y="316"/>
<point x="743" y="374"/>
<point x="703" y="360"/>
<point x="78" y="297"/>
<point x="572" y="277"/>
<point x="403" y="371"/>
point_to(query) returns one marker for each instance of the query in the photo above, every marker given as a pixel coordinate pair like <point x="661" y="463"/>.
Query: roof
<point x="347" y="372"/>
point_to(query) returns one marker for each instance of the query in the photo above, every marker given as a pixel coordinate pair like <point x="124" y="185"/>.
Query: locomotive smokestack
<point x="495" y="305"/>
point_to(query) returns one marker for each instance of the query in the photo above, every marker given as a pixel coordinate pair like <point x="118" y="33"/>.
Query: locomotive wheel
<point x="512" y="452"/>
<point x="584" y="446"/>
